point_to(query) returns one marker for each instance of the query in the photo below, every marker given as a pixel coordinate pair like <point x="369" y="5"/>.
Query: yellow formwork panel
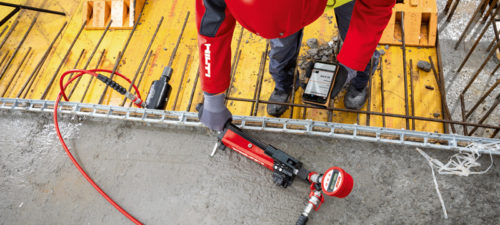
<point x="427" y="102"/>
<point x="246" y="74"/>
<point x="186" y="62"/>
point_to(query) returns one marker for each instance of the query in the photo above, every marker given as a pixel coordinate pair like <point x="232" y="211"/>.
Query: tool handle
<point x="302" y="220"/>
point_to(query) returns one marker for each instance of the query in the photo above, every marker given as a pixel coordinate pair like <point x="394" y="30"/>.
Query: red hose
<point x="93" y="73"/>
<point x="77" y="165"/>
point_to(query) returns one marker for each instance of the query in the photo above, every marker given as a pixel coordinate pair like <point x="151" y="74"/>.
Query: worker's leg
<point x="343" y="17"/>
<point x="357" y="92"/>
<point x="283" y="59"/>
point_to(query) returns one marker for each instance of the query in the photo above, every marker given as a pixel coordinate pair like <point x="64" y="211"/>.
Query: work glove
<point x="213" y="113"/>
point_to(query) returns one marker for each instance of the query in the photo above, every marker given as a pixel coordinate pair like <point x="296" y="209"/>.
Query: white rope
<point x="460" y="164"/>
<point x="430" y="160"/>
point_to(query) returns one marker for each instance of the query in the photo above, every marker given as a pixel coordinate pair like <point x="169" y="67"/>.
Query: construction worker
<point x="360" y="23"/>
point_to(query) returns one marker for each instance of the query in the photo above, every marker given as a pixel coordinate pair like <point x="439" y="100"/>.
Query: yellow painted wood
<point x="252" y="47"/>
<point x="246" y="76"/>
<point x="420" y="22"/>
<point x="427" y="102"/>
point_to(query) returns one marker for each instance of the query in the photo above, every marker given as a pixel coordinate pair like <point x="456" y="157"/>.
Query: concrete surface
<point x="455" y="82"/>
<point x="163" y="175"/>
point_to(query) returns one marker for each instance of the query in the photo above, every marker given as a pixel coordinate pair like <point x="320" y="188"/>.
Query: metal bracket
<point x="453" y="142"/>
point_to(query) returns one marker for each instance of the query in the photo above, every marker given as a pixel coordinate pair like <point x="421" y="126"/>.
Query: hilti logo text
<point x="207" y="60"/>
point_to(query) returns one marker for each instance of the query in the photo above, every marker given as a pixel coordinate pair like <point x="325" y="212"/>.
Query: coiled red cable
<point x="61" y="139"/>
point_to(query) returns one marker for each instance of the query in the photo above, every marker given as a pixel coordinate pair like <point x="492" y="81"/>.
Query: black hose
<point x="302" y="220"/>
<point x="112" y="84"/>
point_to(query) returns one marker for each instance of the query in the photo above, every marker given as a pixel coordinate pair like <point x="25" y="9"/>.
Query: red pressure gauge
<point x="336" y="182"/>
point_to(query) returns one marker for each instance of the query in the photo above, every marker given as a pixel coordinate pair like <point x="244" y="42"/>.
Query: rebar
<point x="329" y="113"/>
<point x="492" y="4"/>
<point x="444" y="104"/>
<point x="21" y="72"/>
<point x="90" y="58"/>
<point x="235" y="57"/>
<point x="452" y="12"/>
<point x="10" y="15"/>
<point x="462" y="107"/>
<point x="32" y="8"/>
<point x="33" y="80"/>
<point x="448" y="4"/>
<point x="4" y="58"/>
<point x="382" y="96"/>
<point x="180" y="82"/>
<point x="38" y="67"/>
<point x="3" y="31"/>
<point x="368" y="107"/>
<point x="174" y="52"/>
<point x="366" y="112"/>
<point x="485" y="28"/>
<point x="120" y="56"/>
<point x="233" y="72"/>
<point x="404" y="69"/>
<point x="99" y="61"/>
<point x="258" y="83"/>
<point x="476" y="74"/>
<point x="193" y="90"/>
<point x="63" y="60"/>
<point x="441" y="79"/>
<point x="495" y="31"/>
<point x="144" y="68"/>
<point x="474" y="15"/>
<point x="481" y="100"/>
<point x="9" y="33"/>
<point x="142" y="72"/>
<point x="18" y="47"/>
<point x="487" y="114"/>
<point x="262" y="72"/>
<point x="495" y="70"/>
<point x="412" y="96"/>
<point x="77" y="62"/>
<point x="15" y="73"/>
<point x="234" y="65"/>
<point x="495" y="133"/>
<point x="143" y="58"/>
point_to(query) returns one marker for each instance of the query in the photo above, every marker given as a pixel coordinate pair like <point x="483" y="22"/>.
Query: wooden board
<point x="420" y="23"/>
<point x="122" y="13"/>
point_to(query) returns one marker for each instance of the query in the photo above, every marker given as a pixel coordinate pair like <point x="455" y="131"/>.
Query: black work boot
<point x="277" y="96"/>
<point x="354" y="98"/>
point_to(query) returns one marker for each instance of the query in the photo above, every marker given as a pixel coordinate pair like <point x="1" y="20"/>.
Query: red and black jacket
<point x="270" y="19"/>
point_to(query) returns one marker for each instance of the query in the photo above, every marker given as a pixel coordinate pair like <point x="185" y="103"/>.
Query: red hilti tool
<point x="334" y="182"/>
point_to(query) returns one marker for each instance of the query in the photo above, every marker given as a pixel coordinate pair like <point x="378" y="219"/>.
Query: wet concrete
<point x="163" y="175"/>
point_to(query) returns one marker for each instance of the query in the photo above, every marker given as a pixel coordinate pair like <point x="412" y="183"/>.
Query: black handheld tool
<point x="160" y="90"/>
